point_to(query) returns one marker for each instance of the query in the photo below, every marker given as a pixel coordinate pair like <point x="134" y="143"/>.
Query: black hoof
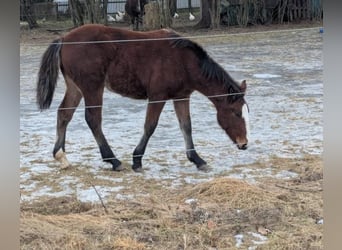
<point x="116" y="165"/>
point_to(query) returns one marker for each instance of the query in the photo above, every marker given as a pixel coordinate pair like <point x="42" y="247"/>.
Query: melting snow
<point x="265" y="76"/>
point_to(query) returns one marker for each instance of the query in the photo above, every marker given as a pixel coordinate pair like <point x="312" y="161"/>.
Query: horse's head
<point x="232" y="115"/>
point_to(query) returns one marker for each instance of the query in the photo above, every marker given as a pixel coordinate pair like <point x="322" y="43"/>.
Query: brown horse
<point x="157" y="65"/>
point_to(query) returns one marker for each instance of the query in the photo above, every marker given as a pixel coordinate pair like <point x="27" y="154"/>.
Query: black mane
<point x="210" y="69"/>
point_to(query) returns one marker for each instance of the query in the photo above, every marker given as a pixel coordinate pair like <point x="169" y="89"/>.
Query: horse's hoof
<point x="61" y="157"/>
<point x="65" y="166"/>
<point x="137" y="169"/>
<point x="204" y="168"/>
<point x="118" y="168"/>
<point x="116" y="164"/>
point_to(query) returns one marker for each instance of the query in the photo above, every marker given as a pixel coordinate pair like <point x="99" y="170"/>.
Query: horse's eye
<point x="237" y="113"/>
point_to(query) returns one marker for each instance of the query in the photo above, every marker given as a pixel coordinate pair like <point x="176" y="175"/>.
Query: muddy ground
<point x="268" y="197"/>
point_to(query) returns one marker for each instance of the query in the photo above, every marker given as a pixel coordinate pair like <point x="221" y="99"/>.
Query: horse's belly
<point x="132" y="89"/>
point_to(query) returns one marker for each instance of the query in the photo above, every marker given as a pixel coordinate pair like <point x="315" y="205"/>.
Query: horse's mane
<point x="210" y="69"/>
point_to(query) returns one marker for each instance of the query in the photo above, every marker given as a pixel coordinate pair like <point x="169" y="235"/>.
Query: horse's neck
<point x="212" y="89"/>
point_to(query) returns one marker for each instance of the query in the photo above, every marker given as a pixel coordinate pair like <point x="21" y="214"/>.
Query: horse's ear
<point x="243" y="86"/>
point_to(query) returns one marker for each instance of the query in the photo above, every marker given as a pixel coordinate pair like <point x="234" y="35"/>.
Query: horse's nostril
<point x="243" y="146"/>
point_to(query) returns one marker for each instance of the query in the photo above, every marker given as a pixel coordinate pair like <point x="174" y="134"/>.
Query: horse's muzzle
<point x="242" y="146"/>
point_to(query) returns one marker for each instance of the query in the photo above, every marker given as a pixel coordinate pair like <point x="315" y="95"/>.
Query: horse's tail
<point x="48" y="74"/>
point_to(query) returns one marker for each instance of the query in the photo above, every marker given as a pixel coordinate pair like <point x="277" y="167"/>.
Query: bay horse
<point x="157" y="65"/>
<point x="136" y="10"/>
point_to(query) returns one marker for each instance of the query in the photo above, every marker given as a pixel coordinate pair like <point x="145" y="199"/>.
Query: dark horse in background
<point x="166" y="67"/>
<point x="136" y="10"/>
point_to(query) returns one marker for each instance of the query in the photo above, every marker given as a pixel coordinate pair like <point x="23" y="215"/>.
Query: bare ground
<point x="208" y="215"/>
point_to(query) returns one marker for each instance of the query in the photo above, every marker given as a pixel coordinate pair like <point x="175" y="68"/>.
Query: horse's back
<point x="131" y="63"/>
<point x="99" y="45"/>
<point x="97" y="32"/>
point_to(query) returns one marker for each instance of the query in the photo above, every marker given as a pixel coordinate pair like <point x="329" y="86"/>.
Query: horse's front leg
<point x="182" y="109"/>
<point x="151" y="122"/>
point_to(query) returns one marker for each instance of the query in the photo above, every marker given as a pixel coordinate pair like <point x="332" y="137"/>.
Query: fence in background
<point x="233" y="12"/>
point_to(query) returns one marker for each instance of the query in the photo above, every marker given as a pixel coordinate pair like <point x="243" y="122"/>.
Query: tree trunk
<point x="166" y="20"/>
<point x="173" y="7"/>
<point x="152" y="16"/>
<point x="90" y="7"/>
<point x="214" y="10"/>
<point x="29" y="16"/>
<point x="210" y="14"/>
<point x="77" y="12"/>
<point x="104" y="12"/>
<point x="93" y="10"/>
<point x="157" y="15"/>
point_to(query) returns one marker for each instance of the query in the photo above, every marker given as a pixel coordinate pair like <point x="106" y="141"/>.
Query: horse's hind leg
<point x="182" y="109"/>
<point x="65" y="112"/>
<point x="151" y="122"/>
<point x="93" y="115"/>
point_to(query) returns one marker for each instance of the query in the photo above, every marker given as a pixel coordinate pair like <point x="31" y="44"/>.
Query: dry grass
<point x="202" y="216"/>
<point x="234" y="192"/>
